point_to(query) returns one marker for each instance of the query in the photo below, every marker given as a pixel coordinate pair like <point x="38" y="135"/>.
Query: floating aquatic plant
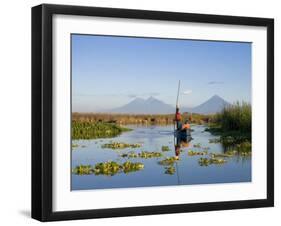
<point x="244" y="147"/>
<point x="109" y="168"/>
<point x="165" y="148"/>
<point x="197" y="145"/>
<point x="247" y="153"/>
<point x="215" y="140"/>
<point x="220" y="155"/>
<point x="147" y="154"/>
<point x="129" y="155"/>
<point x="143" y="154"/>
<point x="231" y="152"/>
<point x="132" y="166"/>
<point x="74" y="145"/>
<point x="192" y="153"/>
<point x="210" y="161"/>
<point x="170" y="170"/>
<point x="120" y="145"/>
<point x="83" y="169"/>
<point x="168" y="161"/>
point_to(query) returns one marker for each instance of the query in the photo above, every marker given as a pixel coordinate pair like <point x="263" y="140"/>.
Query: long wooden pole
<point x="175" y="127"/>
<point x="177" y="104"/>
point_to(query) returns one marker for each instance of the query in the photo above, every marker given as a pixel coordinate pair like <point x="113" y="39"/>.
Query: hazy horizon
<point x="108" y="71"/>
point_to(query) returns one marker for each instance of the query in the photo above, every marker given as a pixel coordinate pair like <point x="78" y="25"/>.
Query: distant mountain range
<point x="145" y="106"/>
<point x="213" y="105"/>
<point x="155" y="106"/>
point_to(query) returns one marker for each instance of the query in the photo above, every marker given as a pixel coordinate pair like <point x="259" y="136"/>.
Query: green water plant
<point x="73" y="145"/>
<point x="192" y="153"/>
<point x="83" y="169"/>
<point x="108" y="168"/>
<point x="168" y="161"/>
<point x="142" y="154"/>
<point x="245" y="146"/>
<point x="129" y="155"/>
<point x="245" y="153"/>
<point x="147" y="154"/>
<point x="120" y="145"/>
<point x="170" y="170"/>
<point x="231" y="152"/>
<point x="220" y="155"/>
<point x="210" y="161"/>
<point x="215" y="140"/>
<point x="132" y="166"/>
<point x="93" y="130"/>
<point x="165" y="148"/>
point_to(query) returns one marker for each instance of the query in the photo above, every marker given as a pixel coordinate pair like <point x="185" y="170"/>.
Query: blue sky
<point x="108" y="71"/>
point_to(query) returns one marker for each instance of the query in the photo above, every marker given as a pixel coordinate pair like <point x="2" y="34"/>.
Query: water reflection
<point x="181" y="142"/>
<point x="173" y="167"/>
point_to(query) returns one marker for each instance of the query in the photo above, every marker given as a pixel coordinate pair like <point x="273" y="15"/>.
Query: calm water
<point x="152" y="138"/>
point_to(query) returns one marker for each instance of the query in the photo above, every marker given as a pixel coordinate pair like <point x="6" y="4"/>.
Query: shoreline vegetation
<point x="94" y="130"/>
<point x="233" y="125"/>
<point x="137" y="119"/>
<point x="99" y="125"/>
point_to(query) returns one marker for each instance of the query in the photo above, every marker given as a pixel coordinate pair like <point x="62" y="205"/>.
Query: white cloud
<point x="186" y="92"/>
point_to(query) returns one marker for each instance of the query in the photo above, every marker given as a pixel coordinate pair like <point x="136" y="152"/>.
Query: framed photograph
<point x="145" y="112"/>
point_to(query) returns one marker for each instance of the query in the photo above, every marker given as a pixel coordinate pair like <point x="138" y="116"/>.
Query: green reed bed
<point x="93" y="130"/>
<point x="233" y="125"/>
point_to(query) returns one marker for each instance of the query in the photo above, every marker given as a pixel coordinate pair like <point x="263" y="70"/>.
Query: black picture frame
<point x="42" y="107"/>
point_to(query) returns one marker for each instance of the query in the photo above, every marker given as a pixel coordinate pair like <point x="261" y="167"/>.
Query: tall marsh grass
<point x="233" y="124"/>
<point x="236" y="117"/>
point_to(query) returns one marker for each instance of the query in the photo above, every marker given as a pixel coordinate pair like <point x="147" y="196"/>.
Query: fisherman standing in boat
<point x="178" y="118"/>
<point x="183" y="137"/>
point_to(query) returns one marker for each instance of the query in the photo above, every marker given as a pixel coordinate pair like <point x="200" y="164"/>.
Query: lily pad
<point x="210" y="161"/>
<point x="165" y="148"/>
<point x="220" y="155"/>
<point x="74" y="145"/>
<point x="120" y="145"/>
<point x="193" y="153"/>
<point x="168" y="161"/>
<point x="170" y="170"/>
<point x="83" y="170"/>
<point x="109" y="168"/>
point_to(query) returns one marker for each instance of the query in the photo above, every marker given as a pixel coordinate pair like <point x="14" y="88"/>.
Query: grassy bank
<point x="141" y="119"/>
<point x="93" y="130"/>
<point x="233" y="124"/>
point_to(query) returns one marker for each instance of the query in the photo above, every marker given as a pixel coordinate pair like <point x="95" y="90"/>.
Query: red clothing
<point x="178" y="116"/>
